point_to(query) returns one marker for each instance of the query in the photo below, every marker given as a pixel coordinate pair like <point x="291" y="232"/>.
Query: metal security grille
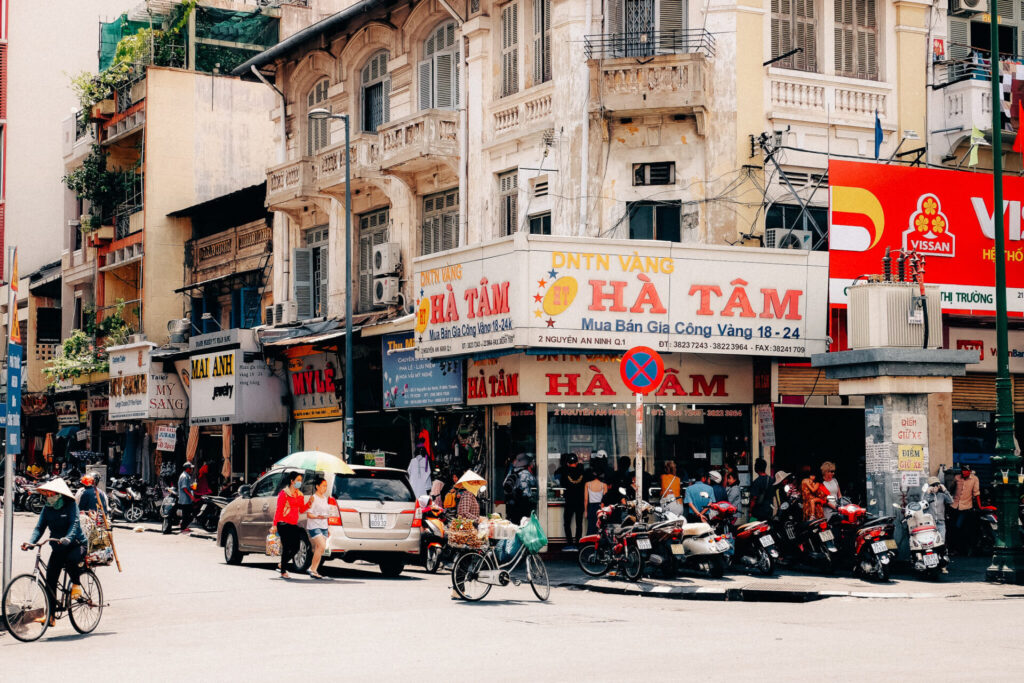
<point x="639" y="24"/>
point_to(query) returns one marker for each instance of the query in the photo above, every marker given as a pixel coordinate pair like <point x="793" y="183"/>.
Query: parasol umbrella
<point x="317" y="461"/>
<point x="471" y="481"/>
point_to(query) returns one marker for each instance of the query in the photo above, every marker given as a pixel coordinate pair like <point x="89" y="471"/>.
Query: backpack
<point x="510" y="485"/>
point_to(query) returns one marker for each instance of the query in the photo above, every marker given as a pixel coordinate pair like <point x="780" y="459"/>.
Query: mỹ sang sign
<point x="615" y="294"/>
<point x="138" y="391"/>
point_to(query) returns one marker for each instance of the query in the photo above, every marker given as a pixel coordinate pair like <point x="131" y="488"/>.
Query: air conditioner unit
<point x="892" y="315"/>
<point x="286" y="312"/>
<point x="968" y="6"/>
<point x="387" y="259"/>
<point x="268" y="315"/>
<point x="784" y="238"/>
<point x="385" y="291"/>
<point x="179" y="330"/>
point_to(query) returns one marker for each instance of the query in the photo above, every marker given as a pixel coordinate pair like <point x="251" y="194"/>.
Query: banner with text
<point x="137" y="391"/>
<point x="570" y="293"/>
<point x="411" y="382"/>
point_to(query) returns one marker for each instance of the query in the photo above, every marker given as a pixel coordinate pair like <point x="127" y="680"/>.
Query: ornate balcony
<point x="290" y="185"/>
<point x="658" y="72"/>
<point x="417" y="143"/>
<point x="364" y="151"/>
<point x="815" y="98"/>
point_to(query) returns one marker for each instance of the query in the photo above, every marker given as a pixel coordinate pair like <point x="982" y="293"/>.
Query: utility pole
<point x="1007" y="558"/>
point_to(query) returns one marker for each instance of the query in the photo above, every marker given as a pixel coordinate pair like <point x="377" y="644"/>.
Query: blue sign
<point x="13" y="399"/>
<point x="411" y="382"/>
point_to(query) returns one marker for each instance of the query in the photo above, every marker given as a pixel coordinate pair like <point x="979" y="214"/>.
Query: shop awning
<point x="308" y="339"/>
<point x="402" y="324"/>
<point x="223" y="279"/>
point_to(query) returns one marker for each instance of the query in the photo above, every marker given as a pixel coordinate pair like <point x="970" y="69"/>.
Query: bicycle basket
<point x="100" y="558"/>
<point x="507" y="548"/>
<point x="532" y="535"/>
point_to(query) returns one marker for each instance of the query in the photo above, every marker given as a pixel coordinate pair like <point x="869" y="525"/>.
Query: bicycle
<point x="26" y="611"/>
<point x="475" y="572"/>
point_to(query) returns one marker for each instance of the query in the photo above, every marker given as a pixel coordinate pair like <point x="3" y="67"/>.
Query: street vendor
<point x="469" y="505"/>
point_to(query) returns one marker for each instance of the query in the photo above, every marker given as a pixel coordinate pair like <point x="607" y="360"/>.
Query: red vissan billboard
<point x="946" y="215"/>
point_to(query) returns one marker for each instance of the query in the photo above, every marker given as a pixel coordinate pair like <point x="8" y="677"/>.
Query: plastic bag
<point x="532" y="535"/>
<point x="507" y="548"/>
<point x="273" y="545"/>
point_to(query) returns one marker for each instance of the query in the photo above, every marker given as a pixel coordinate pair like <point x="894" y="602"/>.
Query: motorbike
<point x="168" y="510"/>
<point x="808" y="543"/>
<point x="435" y="551"/>
<point x="208" y="511"/>
<point x="686" y="546"/>
<point x="751" y="545"/>
<point x="988" y="528"/>
<point x="866" y="544"/>
<point x="928" y="554"/>
<point x="125" y="496"/>
<point x="614" y="546"/>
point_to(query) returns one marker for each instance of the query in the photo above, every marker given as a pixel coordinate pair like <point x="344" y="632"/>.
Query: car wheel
<point x="304" y="555"/>
<point x="232" y="555"/>
<point x="391" y="568"/>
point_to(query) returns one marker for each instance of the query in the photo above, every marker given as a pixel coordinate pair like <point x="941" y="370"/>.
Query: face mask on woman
<point x="297" y="484"/>
<point x="52" y="500"/>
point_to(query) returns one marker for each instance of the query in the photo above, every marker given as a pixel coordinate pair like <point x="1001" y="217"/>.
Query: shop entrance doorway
<point x="807" y="437"/>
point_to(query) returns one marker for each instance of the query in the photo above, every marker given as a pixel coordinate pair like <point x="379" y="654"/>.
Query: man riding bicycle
<point x="60" y="517"/>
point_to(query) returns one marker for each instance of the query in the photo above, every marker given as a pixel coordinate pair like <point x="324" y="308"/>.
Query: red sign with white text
<point x="945" y="215"/>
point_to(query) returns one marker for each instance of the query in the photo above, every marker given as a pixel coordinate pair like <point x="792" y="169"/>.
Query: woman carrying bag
<point x="290" y="504"/>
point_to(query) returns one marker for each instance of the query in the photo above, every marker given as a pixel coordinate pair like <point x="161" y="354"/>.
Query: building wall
<point x="206" y="136"/>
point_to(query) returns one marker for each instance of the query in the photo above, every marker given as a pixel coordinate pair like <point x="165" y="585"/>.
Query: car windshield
<point x="373" y="485"/>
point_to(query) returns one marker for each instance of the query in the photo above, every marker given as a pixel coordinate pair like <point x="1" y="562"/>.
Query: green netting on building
<point x="236" y="27"/>
<point x="111" y="34"/>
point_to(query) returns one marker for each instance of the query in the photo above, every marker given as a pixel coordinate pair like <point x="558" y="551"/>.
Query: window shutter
<point x="252" y="313"/>
<point x="776" y="48"/>
<point x="671" y="24"/>
<point x="1005" y="12"/>
<point x="456" y="69"/>
<point x="426" y="84"/>
<point x="449" y="231"/>
<point x="324" y="265"/>
<point x="806" y="35"/>
<point x="510" y="49"/>
<point x="959" y="38"/>
<point x="431" y="230"/>
<point x="613" y="17"/>
<point x="365" y="270"/>
<point x="869" y="55"/>
<point x="541" y="41"/>
<point x="443" y="75"/>
<point x="844" y="37"/>
<point x="302" y="286"/>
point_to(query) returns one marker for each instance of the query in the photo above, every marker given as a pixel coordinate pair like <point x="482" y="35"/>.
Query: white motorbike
<point x="691" y="546"/>
<point x="928" y="555"/>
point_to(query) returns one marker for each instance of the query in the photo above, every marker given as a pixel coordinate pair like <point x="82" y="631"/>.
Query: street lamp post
<point x="1007" y="560"/>
<point x="350" y="406"/>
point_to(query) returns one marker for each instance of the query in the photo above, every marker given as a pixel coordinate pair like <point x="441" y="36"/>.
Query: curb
<point x="739" y="594"/>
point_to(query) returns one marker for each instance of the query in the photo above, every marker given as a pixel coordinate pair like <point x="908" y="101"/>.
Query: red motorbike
<point x="615" y="545"/>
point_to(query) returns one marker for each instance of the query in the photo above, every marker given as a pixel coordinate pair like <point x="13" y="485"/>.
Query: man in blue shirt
<point x="186" y="498"/>
<point x="698" y="496"/>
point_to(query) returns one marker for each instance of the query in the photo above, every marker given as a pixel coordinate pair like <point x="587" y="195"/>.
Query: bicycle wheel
<point x="592" y="562"/>
<point x="26" y="609"/>
<point x="85" y="611"/>
<point x="538" y="575"/>
<point x="466" y="573"/>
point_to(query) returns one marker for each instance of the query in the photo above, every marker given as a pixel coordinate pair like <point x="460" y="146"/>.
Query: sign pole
<point x="639" y="449"/>
<point x="13" y="440"/>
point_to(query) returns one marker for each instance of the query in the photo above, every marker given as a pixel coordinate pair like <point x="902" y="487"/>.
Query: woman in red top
<point x="290" y="504"/>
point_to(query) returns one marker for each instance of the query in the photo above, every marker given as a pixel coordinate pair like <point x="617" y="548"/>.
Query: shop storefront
<point x="237" y="413"/>
<point x="143" y="396"/>
<point x="575" y="306"/>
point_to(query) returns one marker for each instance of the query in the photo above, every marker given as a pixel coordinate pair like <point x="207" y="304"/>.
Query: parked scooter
<point x="866" y="544"/>
<point x="688" y="546"/>
<point x="614" y="546"/>
<point x="208" y="512"/>
<point x="125" y="496"/>
<point x="928" y="554"/>
<point x="168" y="510"/>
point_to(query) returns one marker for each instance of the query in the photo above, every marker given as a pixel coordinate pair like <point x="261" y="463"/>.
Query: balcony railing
<point x="419" y="139"/>
<point x="83" y="124"/>
<point x="648" y="44"/>
<point x="131" y="205"/>
<point x="364" y="158"/>
<point x="289" y="185"/>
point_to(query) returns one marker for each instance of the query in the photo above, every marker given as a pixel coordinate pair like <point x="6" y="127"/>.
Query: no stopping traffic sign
<point x="641" y="369"/>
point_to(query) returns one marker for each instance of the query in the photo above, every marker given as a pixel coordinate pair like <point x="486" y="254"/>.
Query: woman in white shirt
<point x="828" y="480"/>
<point x="316" y="523"/>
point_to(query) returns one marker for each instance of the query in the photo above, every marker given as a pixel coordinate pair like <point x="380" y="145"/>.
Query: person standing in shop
<point x="966" y="503"/>
<point x="594" y="493"/>
<point x="521" y="489"/>
<point x="760" y="492"/>
<point x="572" y="481"/>
<point x="186" y="496"/>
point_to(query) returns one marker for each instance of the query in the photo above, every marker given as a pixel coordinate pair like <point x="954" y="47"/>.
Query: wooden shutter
<point x="431" y="235"/>
<point x="365" y="270"/>
<point x="449" y="231"/>
<point x="866" y="65"/>
<point x="510" y="49"/>
<point x="251" y="311"/>
<point x="541" y="41"/>
<point x="385" y="111"/>
<point x="798" y="381"/>
<point x="974" y="392"/>
<point x="1005" y="12"/>
<point x="302" y="282"/>
<point x="959" y="38"/>
<point x="426" y="83"/>
<point x="844" y="37"/>
<point x="671" y="24"/>
<point x="806" y="35"/>
<point x="457" y="70"/>
<point x="443" y="91"/>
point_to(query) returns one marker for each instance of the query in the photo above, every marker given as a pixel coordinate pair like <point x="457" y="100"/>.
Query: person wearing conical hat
<point x="60" y="517"/>
<point x="469" y="504"/>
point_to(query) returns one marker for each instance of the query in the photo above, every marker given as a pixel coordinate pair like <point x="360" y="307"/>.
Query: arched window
<point x="439" y="70"/>
<point x="318" y="132"/>
<point x="376" y="89"/>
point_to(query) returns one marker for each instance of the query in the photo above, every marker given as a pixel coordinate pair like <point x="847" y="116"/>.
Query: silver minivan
<point x="378" y="520"/>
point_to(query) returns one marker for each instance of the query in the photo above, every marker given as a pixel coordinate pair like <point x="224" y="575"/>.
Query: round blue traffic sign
<point x="641" y="369"/>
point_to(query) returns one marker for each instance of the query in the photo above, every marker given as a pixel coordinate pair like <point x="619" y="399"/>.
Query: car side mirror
<point x="245" y="491"/>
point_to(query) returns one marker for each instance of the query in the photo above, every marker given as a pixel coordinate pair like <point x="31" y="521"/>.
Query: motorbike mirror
<point x="622" y="490"/>
<point x="423" y="501"/>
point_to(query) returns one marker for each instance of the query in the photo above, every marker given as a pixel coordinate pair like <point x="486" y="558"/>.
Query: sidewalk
<point x="965" y="581"/>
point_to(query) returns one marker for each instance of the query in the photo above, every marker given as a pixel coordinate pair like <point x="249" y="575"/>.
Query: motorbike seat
<point x="923" y="527"/>
<point x="748" y="525"/>
<point x="696" y="529"/>
<point x="811" y="524"/>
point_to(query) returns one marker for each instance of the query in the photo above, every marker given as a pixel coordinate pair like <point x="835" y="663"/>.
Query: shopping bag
<point x="273" y="545"/>
<point x="532" y="535"/>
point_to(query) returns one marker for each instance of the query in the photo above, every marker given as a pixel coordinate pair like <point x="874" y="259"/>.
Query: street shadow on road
<point x="79" y="636"/>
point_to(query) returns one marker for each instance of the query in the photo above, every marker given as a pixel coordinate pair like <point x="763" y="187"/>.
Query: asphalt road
<point x="178" y="613"/>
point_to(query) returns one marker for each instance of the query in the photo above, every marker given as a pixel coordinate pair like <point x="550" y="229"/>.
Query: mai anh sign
<point x="231" y="383"/>
<point x="568" y="293"/>
<point x="946" y="215"/>
<point x="138" y="391"/>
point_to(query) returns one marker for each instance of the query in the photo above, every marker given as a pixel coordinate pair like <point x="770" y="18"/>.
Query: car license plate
<point x="931" y="560"/>
<point x="827" y="536"/>
<point x="879" y="546"/>
<point x="723" y="545"/>
<point x="378" y="521"/>
<point x="677" y="549"/>
<point x="643" y="543"/>
<point x="767" y="541"/>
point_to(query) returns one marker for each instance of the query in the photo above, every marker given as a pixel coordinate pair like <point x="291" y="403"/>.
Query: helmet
<point x="573" y="459"/>
<point x="88" y="480"/>
<point x="715" y="476"/>
<point x="188" y="465"/>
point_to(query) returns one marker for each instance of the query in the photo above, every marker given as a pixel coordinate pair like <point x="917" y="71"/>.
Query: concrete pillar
<point x="940" y="432"/>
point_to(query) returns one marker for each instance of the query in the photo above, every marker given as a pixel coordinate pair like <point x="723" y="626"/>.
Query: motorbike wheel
<point x="166" y="525"/>
<point x="133" y="514"/>
<point x="633" y="564"/>
<point x="432" y="559"/>
<point x="668" y="566"/>
<point x="591" y="563"/>
<point x="881" y="572"/>
<point x="765" y="565"/>
<point x="35" y="503"/>
<point x="210" y="523"/>
<point x="716" y="567"/>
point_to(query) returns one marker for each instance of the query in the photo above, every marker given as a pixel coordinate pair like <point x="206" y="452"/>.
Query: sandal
<point x="315" y="575"/>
